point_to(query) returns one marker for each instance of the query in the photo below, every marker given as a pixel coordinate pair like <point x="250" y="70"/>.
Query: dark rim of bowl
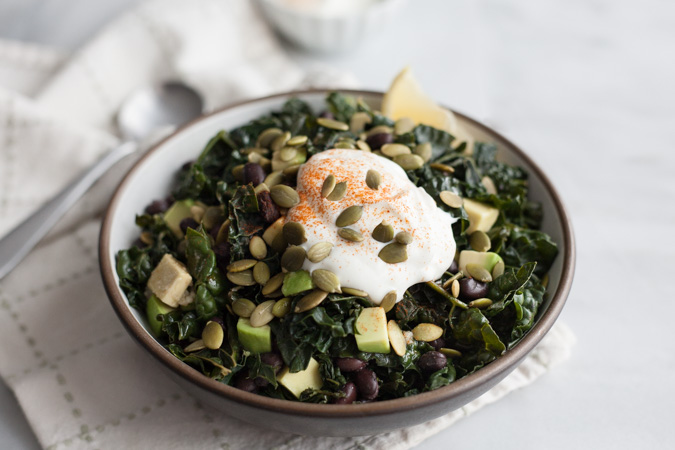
<point x="461" y="387"/>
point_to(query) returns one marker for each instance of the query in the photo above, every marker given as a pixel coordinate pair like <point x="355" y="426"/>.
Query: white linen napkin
<point x="80" y="380"/>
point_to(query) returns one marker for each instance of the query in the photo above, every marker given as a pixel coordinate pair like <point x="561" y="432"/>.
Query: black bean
<point x="437" y="343"/>
<point x="366" y="383"/>
<point x="327" y="115"/>
<point x="347" y="365"/>
<point x="253" y="173"/>
<point x="453" y="267"/>
<point x="219" y="321"/>
<point x="376" y="141"/>
<point x="470" y="289"/>
<point x="245" y="384"/>
<point x="272" y="359"/>
<point x="140" y="244"/>
<point x="261" y="382"/>
<point x="216" y="228"/>
<point x="188" y="222"/>
<point x="187" y="165"/>
<point x="349" y="389"/>
<point x="222" y="252"/>
<point x="157" y="207"/>
<point x="432" y="361"/>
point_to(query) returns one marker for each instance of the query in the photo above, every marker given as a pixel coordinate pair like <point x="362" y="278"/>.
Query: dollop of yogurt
<point x="397" y="201"/>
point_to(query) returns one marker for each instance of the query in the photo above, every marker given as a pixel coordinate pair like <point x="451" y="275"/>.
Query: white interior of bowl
<point x="154" y="176"/>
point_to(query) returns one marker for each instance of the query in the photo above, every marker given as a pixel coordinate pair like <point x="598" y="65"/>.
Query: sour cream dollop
<point x="397" y="201"/>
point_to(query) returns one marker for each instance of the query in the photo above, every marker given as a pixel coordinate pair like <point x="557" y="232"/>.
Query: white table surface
<point x="587" y="88"/>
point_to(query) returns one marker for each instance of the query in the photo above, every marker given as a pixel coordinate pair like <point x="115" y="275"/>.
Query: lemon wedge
<point x="405" y="98"/>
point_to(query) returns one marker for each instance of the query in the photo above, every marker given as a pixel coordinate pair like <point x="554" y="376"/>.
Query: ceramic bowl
<point x="151" y="177"/>
<point x="325" y="31"/>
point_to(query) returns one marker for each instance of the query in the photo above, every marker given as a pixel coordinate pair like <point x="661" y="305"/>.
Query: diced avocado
<point x="153" y="308"/>
<point x="371" y="331"/>
<point x="298" y="382"/>
<point x="254" y="339"/>
<point x="296" y="282"/>
<point x="169" y="280"/>
<point x="486" y="259"/>
<point x="299" y="158"/>
<point x="176" y="213"/>
<point x="481" y="216"/>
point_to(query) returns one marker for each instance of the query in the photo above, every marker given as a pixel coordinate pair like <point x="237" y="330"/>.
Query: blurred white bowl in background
<point x="329" y="26"/>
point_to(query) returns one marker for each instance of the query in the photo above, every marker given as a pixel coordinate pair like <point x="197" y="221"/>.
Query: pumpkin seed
<point x="404" y="125"/>
<point x="480" y="303"/>
<point x="359" y="121"/>
<point x="291" y="172"/>
<point x="146" y="238"/>
<point x="544" y="281"/>
<point x="319" y="251"/>
<point x="350" y="235"/>
<point x="389" y="301"/>
<point x="343" y="144"/>
<point x="273" y="284"/>
<point x="266" y="137"/>
<point x="273" y="231"/>
<point x="262" y="314"/>
<point x="197" y="212"/>
<point x="328" y="185"/>
<point x="311" y="300"/>
<point x="479" y="272"/>
<point x="403" y="237"/>
<point x="257" y="247"/>
<point x="373" y="179"/>
<point x="338" y="192"/>
<point x="213" y="335"/>
<point x="326" y="281"/>
<point x="281" y="307"/>
<point x="383" y="232"/>
<point x="459" y="275"/>
<point x="297" y="140"/>
<point x="396" y="338"/>
<point x="287" y="153"/>
<point x="427" y="332"/>
<point x="451" y="199"/>
<point x="393" y="150"/>
<point x="261" y="273"/>
<point x="349" y="216"/>
<point x="223" y="232"/>
<point x="238" y="173"/>
<point x="258" y="150"/>
<point x="423" y="150"/>
<point x="454" y="288"/>
<point x="244" y="278"/>
<point x="498" y="270"/>
<point x="409" y="162"/>
<point x="489" y="185"/>
<point x="274" y="178"/>
<point x="284" y="196"/>
<point x="293" y="258"/>
<point x="243" y="307"/>
<point x="294" y="233"/>
<point x="393" y="253"/>
<point x="363" y="146"/>
<point x="279" y="142"/>
<point x="355" y="292"/>
<point x="451" y="352"/>
<point x="480" y="241"/>
<point x="332" y="124"/>
<point x="241" y="265"/>
<point x="379" y="129"/>
<point x="442" y="167"/>
<point x="195" y="346"/>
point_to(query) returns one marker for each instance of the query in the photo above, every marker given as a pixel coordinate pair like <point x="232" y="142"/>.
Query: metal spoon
<point x="145" y="111"/>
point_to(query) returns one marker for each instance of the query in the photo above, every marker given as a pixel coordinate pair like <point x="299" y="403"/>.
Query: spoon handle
<point x="21" y="240"/>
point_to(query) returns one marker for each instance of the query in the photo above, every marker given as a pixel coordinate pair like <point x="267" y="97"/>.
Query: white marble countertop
<point x="587" y="88"/>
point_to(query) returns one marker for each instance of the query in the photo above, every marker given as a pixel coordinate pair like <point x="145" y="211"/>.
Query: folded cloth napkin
<point x="80" y="380"/>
